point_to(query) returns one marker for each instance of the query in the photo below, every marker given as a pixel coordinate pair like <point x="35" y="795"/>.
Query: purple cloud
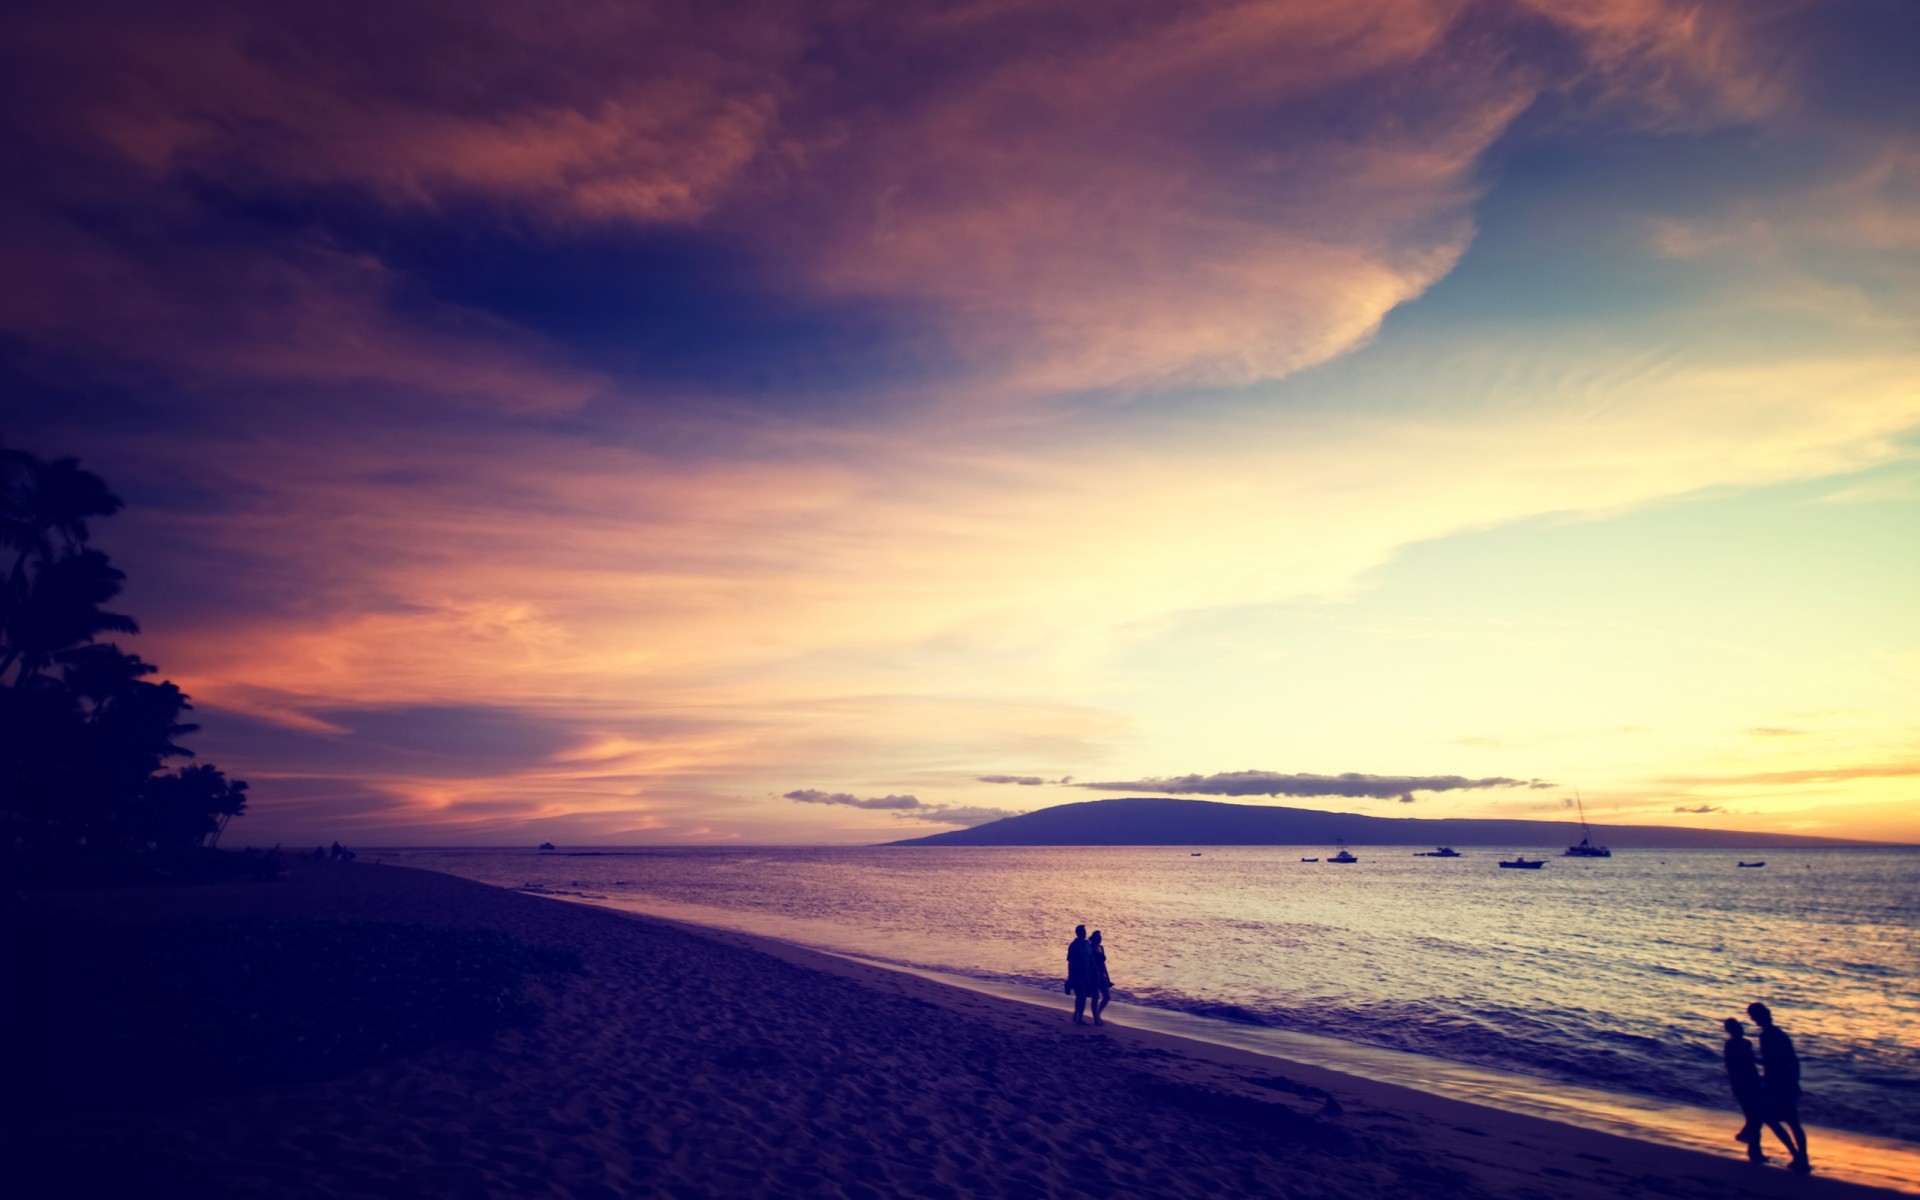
<point x="1273" y="783"/>
<point x="815" y="796"/>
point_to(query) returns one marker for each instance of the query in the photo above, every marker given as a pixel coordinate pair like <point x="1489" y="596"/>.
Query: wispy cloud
<point x="1022" y="780"/>
<point x="1698" y="808"/>
<point x="1885" y="770"/>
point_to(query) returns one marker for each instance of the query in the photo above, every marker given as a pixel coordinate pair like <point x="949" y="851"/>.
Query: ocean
<point x="1610" y="974"/>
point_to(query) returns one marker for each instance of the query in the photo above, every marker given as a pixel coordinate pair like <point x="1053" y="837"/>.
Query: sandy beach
<point x="640" y="1058"/>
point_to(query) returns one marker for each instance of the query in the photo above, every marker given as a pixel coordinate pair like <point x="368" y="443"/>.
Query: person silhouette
<point x="1101" y="983"/>
<point x="1781" y="1080"/>
<point x="1743" y="1073"/>
<point x="1079" y="972"/>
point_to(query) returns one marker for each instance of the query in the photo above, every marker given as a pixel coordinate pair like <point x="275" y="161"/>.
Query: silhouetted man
<point x="1782" y="1081"/>
<point x="1079" y="972"/>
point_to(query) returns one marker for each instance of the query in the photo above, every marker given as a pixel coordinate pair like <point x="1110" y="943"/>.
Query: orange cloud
<point x="1139" y="195"/>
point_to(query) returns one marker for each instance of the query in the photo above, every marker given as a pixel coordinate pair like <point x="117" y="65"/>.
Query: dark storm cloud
<point x="1272" y="783"/>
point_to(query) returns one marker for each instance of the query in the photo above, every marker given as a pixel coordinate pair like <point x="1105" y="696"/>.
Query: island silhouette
<point x="1160" y="821"/>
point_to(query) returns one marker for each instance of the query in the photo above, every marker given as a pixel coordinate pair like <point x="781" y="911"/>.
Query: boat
<point x="1761" y="863"/>
<point x="1584" y="848"/>
<point x="1521" y="863"/>
<point x="546" y="845"/>
<point x="1345" y="856"/>
<point x="1438" y="852"/>
<point x="1309" y="860"/>
<point x="1195" y="854"/>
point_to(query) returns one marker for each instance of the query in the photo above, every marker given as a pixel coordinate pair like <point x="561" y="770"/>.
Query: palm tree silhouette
<point x="88" y="731"/>
<point x="50" y="600"/>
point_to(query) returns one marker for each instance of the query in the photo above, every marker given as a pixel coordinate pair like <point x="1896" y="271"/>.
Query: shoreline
<point x="687" y="1060"/>
<point x="1405" y="1077"/>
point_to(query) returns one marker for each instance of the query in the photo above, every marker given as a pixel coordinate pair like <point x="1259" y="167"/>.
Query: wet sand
<point x="675" y="1061"/>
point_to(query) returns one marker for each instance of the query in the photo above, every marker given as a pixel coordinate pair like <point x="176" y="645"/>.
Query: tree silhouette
<point x="84" y="734"/>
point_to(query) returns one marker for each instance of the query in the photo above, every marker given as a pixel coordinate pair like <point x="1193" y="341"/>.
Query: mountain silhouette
<point x="1159" y="821"/>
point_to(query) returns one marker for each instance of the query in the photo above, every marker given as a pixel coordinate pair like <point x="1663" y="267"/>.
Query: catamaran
<point x="1585" y="848"/>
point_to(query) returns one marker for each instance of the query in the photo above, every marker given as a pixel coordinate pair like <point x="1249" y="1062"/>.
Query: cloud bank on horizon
<point x="1350" y="784"/>
<point x="579" y="425"/>
<point x="911" y="807"/>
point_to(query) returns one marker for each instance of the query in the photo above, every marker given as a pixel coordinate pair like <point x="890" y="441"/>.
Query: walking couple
<point x="1771" y="1100"/>
<point x="1087" y="976"/>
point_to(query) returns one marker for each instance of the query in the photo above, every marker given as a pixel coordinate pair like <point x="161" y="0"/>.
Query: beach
<point x="638" y="1057"/>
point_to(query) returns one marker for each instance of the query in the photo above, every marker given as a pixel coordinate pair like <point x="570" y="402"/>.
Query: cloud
<point x="956" y="814"/>
<point x="1216" y="194"/>
<point x="1273" y="783"/>
<point x="1022" y="780"/>
<point x="1890" y="770"/>
<point x="421" y="485"/>
<point x="1775" y="731"/>
<point x="1698" y="808"/>
<point x="814" y="796"/>
<point x="909" y="808"/>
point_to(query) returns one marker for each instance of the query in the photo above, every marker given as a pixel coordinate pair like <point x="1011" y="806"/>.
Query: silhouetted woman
<point x="1743" y="1072"/>
<point x="1098" y="977"/>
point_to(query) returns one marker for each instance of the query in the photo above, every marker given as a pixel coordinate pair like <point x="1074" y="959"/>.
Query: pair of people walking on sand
<point x="1087" y="976"/>
<point x="1770" y="1100"/>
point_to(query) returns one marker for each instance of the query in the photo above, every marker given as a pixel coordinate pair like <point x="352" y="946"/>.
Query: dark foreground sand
<point x="660" y="1060"/>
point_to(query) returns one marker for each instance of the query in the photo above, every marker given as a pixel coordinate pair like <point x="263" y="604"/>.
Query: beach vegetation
<point x="87" y="736"/>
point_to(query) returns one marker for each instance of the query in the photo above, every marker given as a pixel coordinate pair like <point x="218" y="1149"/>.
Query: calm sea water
<point x="1609" y="973"/>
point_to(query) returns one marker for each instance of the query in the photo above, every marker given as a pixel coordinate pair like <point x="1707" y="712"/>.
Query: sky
<point x="829" y="422"/>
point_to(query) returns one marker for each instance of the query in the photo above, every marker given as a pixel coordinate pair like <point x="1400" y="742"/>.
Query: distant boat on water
<point x="1761" y="863"/>
<point x="1585" y="847"/>
<point x="1345" y="856"/>
<point x="1440" y="852"/>
<point x="1309" y="860"/>
<point x="546" y="845"/>
<point x="1522" y="863"/>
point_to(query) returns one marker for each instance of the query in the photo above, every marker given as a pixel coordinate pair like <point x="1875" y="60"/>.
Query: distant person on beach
<point x="1782" y="1081"/>
<point x="1080" y="972"/>
<point x="1743" y="1073"/>
<point x="1098" y="977"/>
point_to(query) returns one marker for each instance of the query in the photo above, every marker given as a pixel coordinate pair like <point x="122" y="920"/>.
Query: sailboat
<point x="1585" y="848"/>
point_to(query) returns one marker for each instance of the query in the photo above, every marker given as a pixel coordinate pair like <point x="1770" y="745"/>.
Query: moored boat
<point x="1345" y="856"/>
<point x="1438" y="852"/>
<point x="1585" y="848"/>
<point x="1761" y="863"/>
<point x="1522" y="863"/>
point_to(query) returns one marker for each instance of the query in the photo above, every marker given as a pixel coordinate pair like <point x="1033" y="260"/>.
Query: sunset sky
<point x="832" y="422"/>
